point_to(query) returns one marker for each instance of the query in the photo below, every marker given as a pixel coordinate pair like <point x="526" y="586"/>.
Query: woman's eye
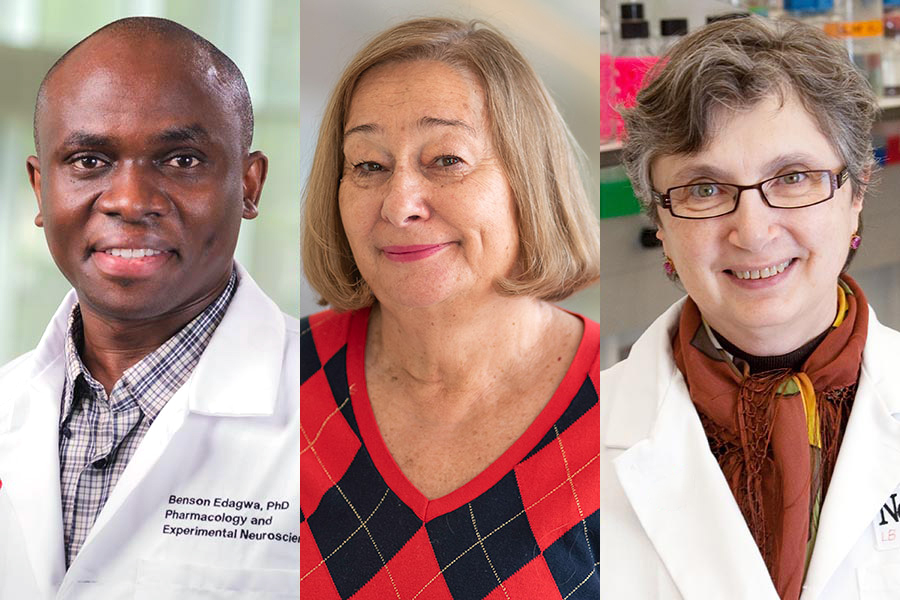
<point x="704" y="190"/>
<point x="448" y="161"/>
<point x="368" y="166"/>
<point x="792" y="178"/>
<point x="183" y="161"/>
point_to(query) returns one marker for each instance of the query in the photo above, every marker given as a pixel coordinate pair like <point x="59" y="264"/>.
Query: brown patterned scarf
<point x="776" y="434"/>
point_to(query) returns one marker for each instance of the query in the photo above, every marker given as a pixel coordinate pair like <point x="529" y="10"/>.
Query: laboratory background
<point x="261" y="37"/>
<point x="633" y="289"/>
<point x="559" y="37"/>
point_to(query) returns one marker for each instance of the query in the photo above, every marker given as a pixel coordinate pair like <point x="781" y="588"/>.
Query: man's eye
<point x="88" y="163"/>
<point x="183" y="161"/>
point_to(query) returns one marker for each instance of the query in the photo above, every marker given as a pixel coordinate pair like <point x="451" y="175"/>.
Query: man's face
<point x="141" y="181"/>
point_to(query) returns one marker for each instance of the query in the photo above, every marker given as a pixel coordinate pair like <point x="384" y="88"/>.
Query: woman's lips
<point x="412" y="253"/>
<point x="760" y="277"/>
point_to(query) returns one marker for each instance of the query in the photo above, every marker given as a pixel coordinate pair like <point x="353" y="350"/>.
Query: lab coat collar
<point x="239" y="372"/>
<point x="868" y="463"/>
<point x="649" y="372"/>
<point x="673" y="482"/>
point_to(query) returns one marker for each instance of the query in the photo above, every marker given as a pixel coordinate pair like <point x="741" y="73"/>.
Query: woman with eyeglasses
<point x="750" y="447"/>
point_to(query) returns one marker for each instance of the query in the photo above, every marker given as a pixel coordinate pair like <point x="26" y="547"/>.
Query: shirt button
<point x="101" y="463"/>
<point x="66" y="432"/>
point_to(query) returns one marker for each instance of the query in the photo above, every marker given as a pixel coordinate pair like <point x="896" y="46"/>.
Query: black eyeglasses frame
<point x="837" y="181"/>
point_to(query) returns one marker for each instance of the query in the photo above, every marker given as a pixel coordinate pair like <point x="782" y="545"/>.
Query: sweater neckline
<point x="386" y="465"/>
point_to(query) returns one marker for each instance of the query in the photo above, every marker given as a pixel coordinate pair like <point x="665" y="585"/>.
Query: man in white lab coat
<point x="149" y="445"/>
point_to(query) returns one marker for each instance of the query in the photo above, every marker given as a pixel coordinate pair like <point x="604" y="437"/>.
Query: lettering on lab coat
<point x="887" y="525"/>
<point x="228" y="519"/>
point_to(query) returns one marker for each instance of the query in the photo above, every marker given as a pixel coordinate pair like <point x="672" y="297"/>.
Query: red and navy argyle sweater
<point x="526" y="528"/>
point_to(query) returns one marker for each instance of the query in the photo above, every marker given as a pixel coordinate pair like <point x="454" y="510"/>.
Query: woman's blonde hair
<point x="558" y="233"/>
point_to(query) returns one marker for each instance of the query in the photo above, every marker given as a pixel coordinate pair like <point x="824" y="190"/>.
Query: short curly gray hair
<point x="733" y="65"/>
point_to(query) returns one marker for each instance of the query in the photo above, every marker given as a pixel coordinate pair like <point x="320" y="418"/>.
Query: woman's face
<point x="424" y="201"/>
<point x="776" y="314"/>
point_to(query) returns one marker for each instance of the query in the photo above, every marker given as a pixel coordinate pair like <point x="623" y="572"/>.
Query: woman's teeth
<point x="133" y="252"/>
<point x="762" y="273"/>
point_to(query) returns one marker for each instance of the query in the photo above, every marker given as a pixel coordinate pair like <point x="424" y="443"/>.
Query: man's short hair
<point x="202" y="54"/>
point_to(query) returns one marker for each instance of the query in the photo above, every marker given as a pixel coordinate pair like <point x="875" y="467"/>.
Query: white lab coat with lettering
<point x="172" y="526"/>
<point x="669" y="525"/>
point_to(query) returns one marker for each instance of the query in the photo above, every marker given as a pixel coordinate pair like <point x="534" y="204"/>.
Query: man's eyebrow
<point x="426" y="122"/>
<point x="189" y="133"/>
<point x="84" y="138"/>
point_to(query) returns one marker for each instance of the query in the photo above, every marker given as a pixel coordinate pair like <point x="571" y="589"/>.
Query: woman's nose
<point x="753" y="222"/>
<point x="406" y="200"/>
<point x="133" y="194"/>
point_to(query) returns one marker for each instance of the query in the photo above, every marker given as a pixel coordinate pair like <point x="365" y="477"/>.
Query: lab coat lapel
<point x="684" y="504"/>
<point x="868" y="464"/>
<point x="237" y="376"/>
<point x="158" y="437"/>
<point x="29" y="453"/>
<point x="29" y="469"/>
<point x="30" y="472"/>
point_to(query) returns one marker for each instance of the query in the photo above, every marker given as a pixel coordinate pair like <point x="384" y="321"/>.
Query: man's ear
<point x="256" y="165"/>
<point x="34" y="177"/>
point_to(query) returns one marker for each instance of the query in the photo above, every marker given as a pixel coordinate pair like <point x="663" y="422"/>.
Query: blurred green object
<point x="617" y="198"/>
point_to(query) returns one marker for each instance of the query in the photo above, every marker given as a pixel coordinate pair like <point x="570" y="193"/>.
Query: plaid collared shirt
<point x="98" y="434"/>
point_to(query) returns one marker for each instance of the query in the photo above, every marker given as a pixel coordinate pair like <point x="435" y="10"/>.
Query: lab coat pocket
<point x="880" y="581"/>
<point x="160" y="580"/>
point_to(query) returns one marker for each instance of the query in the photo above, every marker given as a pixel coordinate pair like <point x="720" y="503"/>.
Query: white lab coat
<point x="230" y="432"/>
<point x="669" y="525"/>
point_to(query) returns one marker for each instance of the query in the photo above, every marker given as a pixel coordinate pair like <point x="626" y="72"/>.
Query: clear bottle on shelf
<point x="860" y="24"/>
<point x="634" y="31"/>
<point x="607" y="81"/>
<point x="890" y="55"/>
<point x="634" y="55"/>
<point x="670" y="31"/>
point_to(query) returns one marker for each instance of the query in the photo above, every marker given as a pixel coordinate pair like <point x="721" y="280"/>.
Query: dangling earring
<point x="669" y="268"/>
<point x="855" y="241"/>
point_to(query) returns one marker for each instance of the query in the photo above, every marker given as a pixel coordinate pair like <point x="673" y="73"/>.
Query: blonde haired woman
<point x="449" y="411"/>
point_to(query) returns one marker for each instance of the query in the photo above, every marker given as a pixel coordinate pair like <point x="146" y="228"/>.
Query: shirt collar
<point x="156" y="377"/>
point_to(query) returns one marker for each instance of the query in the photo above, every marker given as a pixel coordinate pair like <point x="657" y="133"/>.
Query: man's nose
<point x="406" y="199"/>
<point x="133" y="193"/>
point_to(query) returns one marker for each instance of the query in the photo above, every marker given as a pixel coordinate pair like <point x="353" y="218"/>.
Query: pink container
<point x="629" y="77"/>
<point x="608" y="116"/>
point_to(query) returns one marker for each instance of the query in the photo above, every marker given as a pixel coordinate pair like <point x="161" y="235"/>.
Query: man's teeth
<point x="763" y="273"/>
<point x="133" y="252"/>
